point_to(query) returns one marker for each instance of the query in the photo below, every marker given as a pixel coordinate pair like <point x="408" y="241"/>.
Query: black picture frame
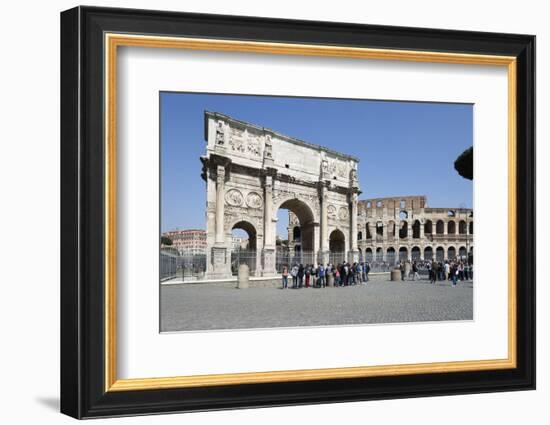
<point x="83" y="392"/>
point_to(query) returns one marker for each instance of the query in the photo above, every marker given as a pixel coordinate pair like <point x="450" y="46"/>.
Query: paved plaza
<point x="190" y="307"/>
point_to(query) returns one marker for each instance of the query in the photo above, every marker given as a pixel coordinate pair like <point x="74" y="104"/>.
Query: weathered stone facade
<point x="390" y="229"/>
<point x="405" y="227"/>
<point x="251" y="172"/>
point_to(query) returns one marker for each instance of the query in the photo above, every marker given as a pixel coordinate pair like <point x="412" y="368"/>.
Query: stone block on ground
<point x="243" y="276"/>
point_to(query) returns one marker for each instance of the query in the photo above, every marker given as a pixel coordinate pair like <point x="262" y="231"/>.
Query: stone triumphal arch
<point x="251" y="172"/>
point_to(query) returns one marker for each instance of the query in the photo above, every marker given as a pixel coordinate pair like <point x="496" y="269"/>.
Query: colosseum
<point x="404" y="227"/>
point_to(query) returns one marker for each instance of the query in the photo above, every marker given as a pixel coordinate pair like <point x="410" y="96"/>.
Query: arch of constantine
<point x="251" y="172"/>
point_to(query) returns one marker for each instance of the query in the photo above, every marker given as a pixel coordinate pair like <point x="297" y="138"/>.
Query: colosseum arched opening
<point x="379" y="255"/>
<point x="451" y="253"/>
<point x="368" y="255"/>
<point x="403" y="254"/>
<point x="403" y="230"/>
<point x="451" y="227"/>
<point x="391" y="229"/>
<point x="428" y="253"/>
<point x="428" y="227"/>
<point x="390" y="255"/>
<point x="416" y="229"/>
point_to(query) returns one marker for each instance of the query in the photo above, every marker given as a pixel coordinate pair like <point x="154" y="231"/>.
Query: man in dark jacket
<point x="300" y="275"/>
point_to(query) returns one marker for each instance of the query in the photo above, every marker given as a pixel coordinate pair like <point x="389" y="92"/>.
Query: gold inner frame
<point x="113" y="41"/>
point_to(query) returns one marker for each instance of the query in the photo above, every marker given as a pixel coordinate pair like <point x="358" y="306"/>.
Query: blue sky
<point x="405" y="148"/>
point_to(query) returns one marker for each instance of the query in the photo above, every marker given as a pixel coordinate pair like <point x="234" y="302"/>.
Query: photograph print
<point x="283" y="212"/>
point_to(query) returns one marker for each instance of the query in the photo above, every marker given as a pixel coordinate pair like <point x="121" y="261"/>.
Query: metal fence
<point x="287" y="258"/>
<point x="193" y="266"/>
<point x="380" y="266"/>
<point x="243" y="256"/>
<point x="168" y="265"/>
<point x="174" y="265"/>
<point x="337" y="257"/>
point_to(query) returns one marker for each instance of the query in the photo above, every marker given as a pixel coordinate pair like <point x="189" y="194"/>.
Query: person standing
<point x="308" y="274"/>
<point x="402" y="269"/>
<point x="300" y="275"/>
<point x="344" y="274"/>
<point x="461" y="271"/>
<point x="285" y="277"/>
<point x="454" y="273"/>
<point x="366" y="271"/>
<point x="329" y="272"/>
<point x="322" y="271"/>
<point x="434" y="272"/>
<point x="447" y="271"/>
<point x="408" y="269"/>
<point x="294" y="273"/>
<point x="360" y="273"/>
<point x="416" y="276"/>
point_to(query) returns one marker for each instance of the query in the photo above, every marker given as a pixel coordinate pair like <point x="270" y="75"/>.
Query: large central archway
<point x="301" y="225"/>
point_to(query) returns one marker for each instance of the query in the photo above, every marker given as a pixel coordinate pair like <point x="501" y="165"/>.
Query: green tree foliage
<point x="464" y="164"/>
<point x="165" y="240"/>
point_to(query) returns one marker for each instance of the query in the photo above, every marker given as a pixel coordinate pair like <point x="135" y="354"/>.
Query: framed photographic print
<point x="261" y="212"/>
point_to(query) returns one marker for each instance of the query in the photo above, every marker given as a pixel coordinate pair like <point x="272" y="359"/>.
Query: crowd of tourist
<point x="321" y="275"/>
<point x="346" y="274"/>
<point x="453" y="270"/>
<point x="449" y="270"/>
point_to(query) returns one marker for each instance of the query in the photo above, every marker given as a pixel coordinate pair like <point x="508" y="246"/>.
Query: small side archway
<point x="243" y="246"/>
<point x="337" y="246"/>
<point x="249" y="230"/>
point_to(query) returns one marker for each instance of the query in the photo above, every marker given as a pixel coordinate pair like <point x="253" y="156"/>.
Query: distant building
<point x="405" y="227"/>
<point x="239" y="243"/>
<point x="401" y="228"/>
<point x="188" y="241"/>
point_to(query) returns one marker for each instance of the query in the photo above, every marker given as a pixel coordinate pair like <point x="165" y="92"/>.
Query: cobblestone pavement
<point x="188" y="307"/>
